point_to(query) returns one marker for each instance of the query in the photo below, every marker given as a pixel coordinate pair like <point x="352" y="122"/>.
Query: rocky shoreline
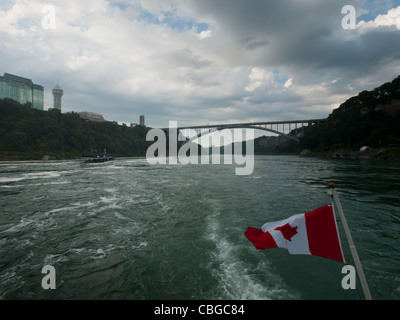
<point x="391" y="153"/>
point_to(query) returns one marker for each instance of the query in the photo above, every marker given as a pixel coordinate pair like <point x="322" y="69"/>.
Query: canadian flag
<point x="313" y="233"/>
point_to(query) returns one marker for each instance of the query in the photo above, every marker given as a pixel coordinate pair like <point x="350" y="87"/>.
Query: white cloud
<point x="259" y="77"/>
<point x="392" y="18"/>
<point x="288" y="83"/>
<point x="205" y="34"/>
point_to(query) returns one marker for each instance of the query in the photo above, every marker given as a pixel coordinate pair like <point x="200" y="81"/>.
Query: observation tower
<point x="57" y="93"/>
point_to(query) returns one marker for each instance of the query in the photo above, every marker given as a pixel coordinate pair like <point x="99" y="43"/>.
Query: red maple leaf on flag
<point x="287" y="231"/>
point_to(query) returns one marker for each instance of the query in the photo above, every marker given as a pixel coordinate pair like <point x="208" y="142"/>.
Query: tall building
<point x="22" y="90"/>
<point x="57" y="94"/>
<point x="142" y="120"/>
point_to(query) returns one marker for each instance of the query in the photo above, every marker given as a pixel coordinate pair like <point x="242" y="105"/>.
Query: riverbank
<point x="35" y="157"/>
<point x="390" y="153"/>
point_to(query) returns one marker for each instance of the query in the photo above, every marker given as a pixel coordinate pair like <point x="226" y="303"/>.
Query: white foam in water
<point x="141" y="245"/>
<point x="77" y="250"/>
<point x="31" y="176"/>
<point x="42" y="175"/>
<point x="55" y="258"/>
<point x="122" y="217"/>
<point x="72" y="207"/>
<point x="56" y="182"/>
<point x="10" y="279"/>
<point x="101" y="254"/>
<point x="14" y="186"/>
<point x="5" y="180"/>
<point x="21" y="225"/>
<point x="235" y="275"/>
<point x="6" y="165"/>
<point x="108" y="199"/>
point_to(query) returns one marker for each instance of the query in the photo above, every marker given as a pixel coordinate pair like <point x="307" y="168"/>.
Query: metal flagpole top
<point x="353" y="249"/>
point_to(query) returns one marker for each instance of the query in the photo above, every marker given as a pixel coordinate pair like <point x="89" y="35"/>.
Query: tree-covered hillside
<point x="30" y="134"/>
<point x="370" y="119"/>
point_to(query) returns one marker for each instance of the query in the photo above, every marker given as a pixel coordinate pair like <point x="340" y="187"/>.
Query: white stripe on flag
<point x="298" y="243"/>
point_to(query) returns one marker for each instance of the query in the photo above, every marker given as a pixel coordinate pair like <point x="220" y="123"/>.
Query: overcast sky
<point x="201" y="61"/>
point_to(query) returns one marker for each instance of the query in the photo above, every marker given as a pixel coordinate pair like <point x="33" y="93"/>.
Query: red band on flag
<point x="322" y="234"/>
<point x="261" y="240"/>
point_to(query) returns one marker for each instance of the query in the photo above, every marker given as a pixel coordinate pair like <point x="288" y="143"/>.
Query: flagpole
<point x="353" y="249"/>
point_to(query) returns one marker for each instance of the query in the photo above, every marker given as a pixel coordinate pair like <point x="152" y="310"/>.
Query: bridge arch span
<point x="268" y="126"/>
<point x="221" y="128"/>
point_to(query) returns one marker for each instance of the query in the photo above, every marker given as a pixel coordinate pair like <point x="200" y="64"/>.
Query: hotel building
<point x="22" y="90"/>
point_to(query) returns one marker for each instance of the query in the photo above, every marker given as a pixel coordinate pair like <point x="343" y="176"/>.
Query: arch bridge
<point x="289" y="129"/>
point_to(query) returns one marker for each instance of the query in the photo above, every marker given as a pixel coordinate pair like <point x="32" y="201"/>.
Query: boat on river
<point x="97" y="158"/>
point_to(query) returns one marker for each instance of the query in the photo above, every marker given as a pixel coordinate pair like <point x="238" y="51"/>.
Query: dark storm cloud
<point x="301" y="34"/>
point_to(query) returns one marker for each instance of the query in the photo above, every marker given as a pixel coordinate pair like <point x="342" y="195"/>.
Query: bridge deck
<point x="249" y="124"/>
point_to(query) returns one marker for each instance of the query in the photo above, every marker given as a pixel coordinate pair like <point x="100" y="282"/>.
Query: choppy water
<point x="136" y="231"/>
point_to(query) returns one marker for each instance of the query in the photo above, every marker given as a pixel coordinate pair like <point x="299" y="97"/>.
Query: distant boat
<point x="97" y="158"/>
